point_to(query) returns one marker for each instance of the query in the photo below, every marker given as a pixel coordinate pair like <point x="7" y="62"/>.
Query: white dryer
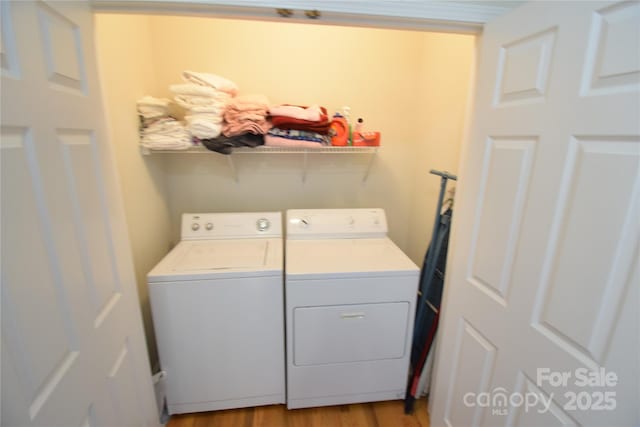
<point x="217" y="304"/>
<point x="350" y="305"/>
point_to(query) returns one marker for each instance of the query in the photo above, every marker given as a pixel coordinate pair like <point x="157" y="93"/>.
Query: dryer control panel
<point x="231" y="225"/>
<point x="336" y="223"/>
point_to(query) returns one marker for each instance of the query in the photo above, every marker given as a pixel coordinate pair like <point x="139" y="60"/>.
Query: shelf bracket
<point x="366" y="172"/>
<point x="232" y="167"/>
<point x="304" y="167"/>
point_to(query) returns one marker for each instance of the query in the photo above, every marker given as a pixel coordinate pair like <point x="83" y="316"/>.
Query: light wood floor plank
<point x="359" y="415"/>
<point x="269" y="416"/>
<point x="182" y="421"/>
<point x="377" y="414"/>
<point x="391" y="414"/>
<point x="421" y="412"/>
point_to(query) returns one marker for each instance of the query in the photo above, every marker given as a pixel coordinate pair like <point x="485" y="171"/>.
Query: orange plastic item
<point x="366" y="139"/>
<point x="340" y="131"/>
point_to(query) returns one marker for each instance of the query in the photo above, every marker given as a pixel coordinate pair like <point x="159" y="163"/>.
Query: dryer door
<point x="349" y="333"/>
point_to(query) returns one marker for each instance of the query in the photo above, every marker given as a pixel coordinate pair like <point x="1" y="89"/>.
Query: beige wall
<point x="411" y="86"/>
<point x="444" y="89"/>
<point x="127" y="73"/>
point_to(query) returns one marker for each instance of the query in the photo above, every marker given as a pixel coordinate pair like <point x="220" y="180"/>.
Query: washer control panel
<point x="231" y="225"/>
<point x="336" y="223"/>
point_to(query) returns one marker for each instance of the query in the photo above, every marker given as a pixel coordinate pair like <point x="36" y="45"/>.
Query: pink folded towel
<point x="276" y="141"/>
<point x="254" y="103"/>
<point x="239" y="128"/>
<point x="243" y="116"/>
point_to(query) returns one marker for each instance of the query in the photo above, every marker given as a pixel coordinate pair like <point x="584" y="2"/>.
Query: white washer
<point x="217" y="304"/>
<point x="350" y="305"/>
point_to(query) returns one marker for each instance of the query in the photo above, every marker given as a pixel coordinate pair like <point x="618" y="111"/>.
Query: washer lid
<point x="222" y="255"/>
<point x="202" y="259"/>
<point x="323" y="258"/>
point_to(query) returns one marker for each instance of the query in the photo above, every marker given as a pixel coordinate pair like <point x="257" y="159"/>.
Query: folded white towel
<point x="213" y="118"/>
<point x="204" y="109"/>
<point x="151" y="101"/>
<point x="150" y="107"/>
<point x="166" y="142"/>
<point x="212" y="80"/>
<point x="312" y="113"/>
<point x="153" y="138"/>
<point x="168" y="145"/>
<point x="167" y="134"/>
<point x="194" y="89"/>
<point x="171" y="128"/>
<point x="149" y="114"/>
<point x="190" y="101"/>
<point x="204" y="129"/>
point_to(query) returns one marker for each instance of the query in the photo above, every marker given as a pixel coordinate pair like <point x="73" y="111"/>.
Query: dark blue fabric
<point x="431" y="286"/>
<point x="430" y="292"/>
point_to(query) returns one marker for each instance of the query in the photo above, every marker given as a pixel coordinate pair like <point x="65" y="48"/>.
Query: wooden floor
<point x="379" y="414"/>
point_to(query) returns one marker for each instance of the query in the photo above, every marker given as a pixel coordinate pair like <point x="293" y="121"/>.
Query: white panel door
<point x="543" y="289"/>
<point x="73" y="351"/>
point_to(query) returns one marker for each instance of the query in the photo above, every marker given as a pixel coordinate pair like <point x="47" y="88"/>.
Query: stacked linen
<point x="205" y="108"/>
<point x="166" y="134"/>
<point x="159" y="131"/>
<point x="199" y="98"/>
<point x="296" y="126"/>
<point x="150" y="109"/>
<point x="211" y="80"/>
<point x="205" y="97"/>
<point x="246" y="114"/>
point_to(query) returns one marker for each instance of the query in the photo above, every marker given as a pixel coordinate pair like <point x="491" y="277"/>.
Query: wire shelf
<point x="268" y="150"/>
<point x="274" y="150"/>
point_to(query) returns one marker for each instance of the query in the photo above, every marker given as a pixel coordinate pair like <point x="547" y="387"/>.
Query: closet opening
<point x="412" y="86"/>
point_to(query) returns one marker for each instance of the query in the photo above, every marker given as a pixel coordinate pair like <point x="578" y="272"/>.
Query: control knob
<point x="195" y="226"/>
